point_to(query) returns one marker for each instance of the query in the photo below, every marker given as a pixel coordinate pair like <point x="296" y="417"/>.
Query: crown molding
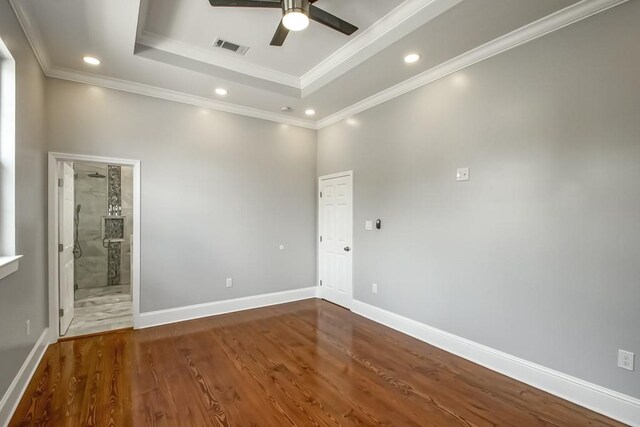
<point x="404" y="19"/>
<point x="32" y="33"/>
<point x="219" y="59"/>
<point x="35" y="40"/>
<point x="396" y="24"/>
<point x="546" y="25"/>
<point x="171" y="95"/>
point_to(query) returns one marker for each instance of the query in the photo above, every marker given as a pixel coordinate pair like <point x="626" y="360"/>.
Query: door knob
<point x="347" y="248"/>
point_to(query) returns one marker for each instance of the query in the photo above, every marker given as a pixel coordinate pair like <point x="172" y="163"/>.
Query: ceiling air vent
<point x="231" y="47"/>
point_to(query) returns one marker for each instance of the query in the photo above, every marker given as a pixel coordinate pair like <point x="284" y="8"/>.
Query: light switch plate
<point x="462" y="174"/>
<point x="229" y="282"/>
<point x="374" y="288"/>
<point x="368" y="225"/>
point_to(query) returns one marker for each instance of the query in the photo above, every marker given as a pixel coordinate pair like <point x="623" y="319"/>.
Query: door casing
<point x="53" y="206"/>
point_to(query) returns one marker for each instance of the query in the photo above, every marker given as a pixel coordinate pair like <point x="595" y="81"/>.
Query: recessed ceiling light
<point x="295" y="20"/>
<point x="411" y="58"/>
<point x="286" y="109"/>
<point x="221" y="91"/>
<point x="91" y="60"/>
<point x="310" y="112"/>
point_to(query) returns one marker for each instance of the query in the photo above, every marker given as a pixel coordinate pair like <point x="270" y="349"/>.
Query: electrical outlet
<point x="374" y="288"/>
<point x="28" y="322"/>
<point x="625" y="359"/>
<point x="229" y="282"/>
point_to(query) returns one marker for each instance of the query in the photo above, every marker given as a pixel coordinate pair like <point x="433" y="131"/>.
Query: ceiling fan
<point x="295" y="16"/>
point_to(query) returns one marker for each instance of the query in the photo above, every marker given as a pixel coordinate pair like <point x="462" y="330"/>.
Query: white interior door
<point x="336" y="238"/>
<point x="65" y="240"/>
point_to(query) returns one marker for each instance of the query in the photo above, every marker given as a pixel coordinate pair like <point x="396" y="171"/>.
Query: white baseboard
<point x="18" y="386"/>
<point x="599" y="399"/>
<point x="607" y="402"/>
<point x="179" y="314"/>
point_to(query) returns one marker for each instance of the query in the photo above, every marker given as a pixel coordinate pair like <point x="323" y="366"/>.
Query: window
<point x="8" y="257"/>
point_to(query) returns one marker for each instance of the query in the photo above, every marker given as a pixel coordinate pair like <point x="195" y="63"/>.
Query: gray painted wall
<point x="220" y="192"/>
<point x="23" y="295"/>
<point x="537" y="255"/>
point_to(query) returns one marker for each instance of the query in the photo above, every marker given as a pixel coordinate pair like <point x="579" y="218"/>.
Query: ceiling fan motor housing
<point x="296" y="15"/>
<point x="289" y="6"/>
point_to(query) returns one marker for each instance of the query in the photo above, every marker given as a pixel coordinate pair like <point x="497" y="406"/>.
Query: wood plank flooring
<point x="308" y="363"/>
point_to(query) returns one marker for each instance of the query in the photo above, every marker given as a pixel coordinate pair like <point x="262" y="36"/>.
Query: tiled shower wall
<point x="91" y="194"/>
<point x="92" y="269"/>
<point x="127" y="211"/>
<point x="116" y="228"/>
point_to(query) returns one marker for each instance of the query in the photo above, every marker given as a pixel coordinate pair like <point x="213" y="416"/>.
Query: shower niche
<point x="112" y="229"/>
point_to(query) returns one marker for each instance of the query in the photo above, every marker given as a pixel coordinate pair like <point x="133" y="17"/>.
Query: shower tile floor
<point x="101" y="310"/>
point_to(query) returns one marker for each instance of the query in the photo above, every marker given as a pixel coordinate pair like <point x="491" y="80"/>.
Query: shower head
<point x="96" y="175"/>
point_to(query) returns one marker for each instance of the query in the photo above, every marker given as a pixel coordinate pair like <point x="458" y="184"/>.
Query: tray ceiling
<point x="163" y="48"/>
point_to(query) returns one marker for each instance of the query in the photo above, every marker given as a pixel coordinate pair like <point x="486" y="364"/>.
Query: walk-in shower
<point x="77" y="248"/>
<point x="103" y="224"/>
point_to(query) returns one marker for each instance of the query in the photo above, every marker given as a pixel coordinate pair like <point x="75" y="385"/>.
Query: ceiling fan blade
<point x="280" y="35"/>
<point x="246" y="3"/>
<point x="331" y="21"/>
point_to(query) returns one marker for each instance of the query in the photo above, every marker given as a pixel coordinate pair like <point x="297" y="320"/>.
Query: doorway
<point x="335" y="247"/>
<point x="94" y="280"/>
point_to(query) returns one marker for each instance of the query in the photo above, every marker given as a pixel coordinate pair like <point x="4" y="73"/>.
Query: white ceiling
<point x="163" y="48"/>
<point x="197" y="24"/>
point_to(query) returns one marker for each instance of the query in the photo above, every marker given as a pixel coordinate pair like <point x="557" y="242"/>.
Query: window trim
<point x="8" y="257"/>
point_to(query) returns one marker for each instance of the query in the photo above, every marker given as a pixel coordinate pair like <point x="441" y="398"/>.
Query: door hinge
<point x="61" y="312"/>
<point x="60" y="247"/>
<point x="60" y="182"/>
<point x="320" y="239"/>
<point x="320" y="282"/>
<point x="321" y="194"/>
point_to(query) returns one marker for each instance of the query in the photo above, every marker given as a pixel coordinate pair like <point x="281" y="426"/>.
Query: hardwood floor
<point x="308" y="363"/>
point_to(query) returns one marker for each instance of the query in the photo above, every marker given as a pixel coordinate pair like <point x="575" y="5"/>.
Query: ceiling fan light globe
<point x="295" y="20"/>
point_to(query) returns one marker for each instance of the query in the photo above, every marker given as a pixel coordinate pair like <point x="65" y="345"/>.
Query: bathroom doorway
<point x="96" y="208"/>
